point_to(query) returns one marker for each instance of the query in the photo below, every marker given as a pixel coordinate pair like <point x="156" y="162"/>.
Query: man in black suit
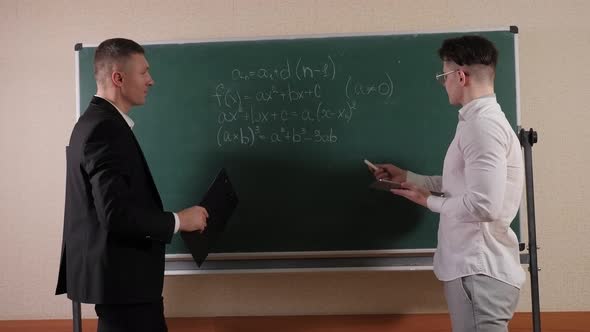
<point x="115" y="228"/>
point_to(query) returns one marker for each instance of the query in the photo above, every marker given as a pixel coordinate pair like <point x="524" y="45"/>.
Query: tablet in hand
<point x="384" y="184"/>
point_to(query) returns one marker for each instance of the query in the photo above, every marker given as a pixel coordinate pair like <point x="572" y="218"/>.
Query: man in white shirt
<point x="477" y="254"/>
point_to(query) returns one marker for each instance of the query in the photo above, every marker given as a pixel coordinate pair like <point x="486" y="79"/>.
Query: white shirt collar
<point x="464" y="112"/>
<point x="126" y="117"/>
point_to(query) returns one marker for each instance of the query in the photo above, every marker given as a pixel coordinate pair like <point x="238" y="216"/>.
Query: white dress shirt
<point x="482" y="182"/>
<point x="130" y="123"/>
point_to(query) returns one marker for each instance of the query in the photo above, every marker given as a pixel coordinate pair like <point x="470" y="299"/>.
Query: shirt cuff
<point x="176" y="222"/>
<point x="435" y="203"/>
<point x="414" y="178"/>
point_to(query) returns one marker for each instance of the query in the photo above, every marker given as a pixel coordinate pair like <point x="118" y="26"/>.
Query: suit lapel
<point x="106" y="105"/>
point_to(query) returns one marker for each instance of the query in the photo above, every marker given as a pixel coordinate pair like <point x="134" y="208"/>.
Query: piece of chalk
<point x="370" y="164"/>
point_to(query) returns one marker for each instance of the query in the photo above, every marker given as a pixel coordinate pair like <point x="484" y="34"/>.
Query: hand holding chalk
<point x="371" y="165"/>
<point x="387" y="171"/>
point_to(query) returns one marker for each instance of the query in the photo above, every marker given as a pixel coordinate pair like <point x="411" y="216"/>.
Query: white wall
<point x="37" y="112"/>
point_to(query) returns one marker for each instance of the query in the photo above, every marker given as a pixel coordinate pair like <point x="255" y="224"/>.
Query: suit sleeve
<point x="106" y="160"/>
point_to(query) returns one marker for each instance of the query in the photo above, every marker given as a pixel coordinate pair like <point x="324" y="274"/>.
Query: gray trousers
<point x="479" y="303"/>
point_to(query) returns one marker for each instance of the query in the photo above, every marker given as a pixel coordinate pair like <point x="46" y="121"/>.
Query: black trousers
<point x="136" y="317"/>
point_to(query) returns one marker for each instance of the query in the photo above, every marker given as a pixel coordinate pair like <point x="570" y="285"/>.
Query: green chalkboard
<point x="292" y="120"/>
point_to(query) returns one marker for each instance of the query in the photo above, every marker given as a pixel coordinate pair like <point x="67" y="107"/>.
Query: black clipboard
<point x="220" y="201"/>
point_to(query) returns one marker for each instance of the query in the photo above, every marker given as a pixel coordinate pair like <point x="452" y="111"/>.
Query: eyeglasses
<point x="442" y="77"/>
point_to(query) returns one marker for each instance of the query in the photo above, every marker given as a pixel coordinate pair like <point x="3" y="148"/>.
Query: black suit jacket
<point x="115" y="229"/>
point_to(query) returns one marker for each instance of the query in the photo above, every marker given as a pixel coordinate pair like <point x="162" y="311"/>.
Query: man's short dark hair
<point x="113" y="51"/>
<point x="469" y="50"/>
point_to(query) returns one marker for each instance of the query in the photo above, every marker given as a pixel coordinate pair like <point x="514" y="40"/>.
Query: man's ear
<point x="117" y="78"/>
<point x="462" y="77"/>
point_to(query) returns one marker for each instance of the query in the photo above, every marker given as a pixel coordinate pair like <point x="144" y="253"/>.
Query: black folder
<point x="220" y="201"/>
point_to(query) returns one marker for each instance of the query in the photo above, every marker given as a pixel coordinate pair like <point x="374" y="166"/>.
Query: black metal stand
<point x="77" y="315"/>
<point x="527" y="139"/>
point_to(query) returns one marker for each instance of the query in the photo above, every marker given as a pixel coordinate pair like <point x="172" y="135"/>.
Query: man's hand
<point x="193" y="219"/>
<point x="390" y="172"/>
<point x="412" y="192"/>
